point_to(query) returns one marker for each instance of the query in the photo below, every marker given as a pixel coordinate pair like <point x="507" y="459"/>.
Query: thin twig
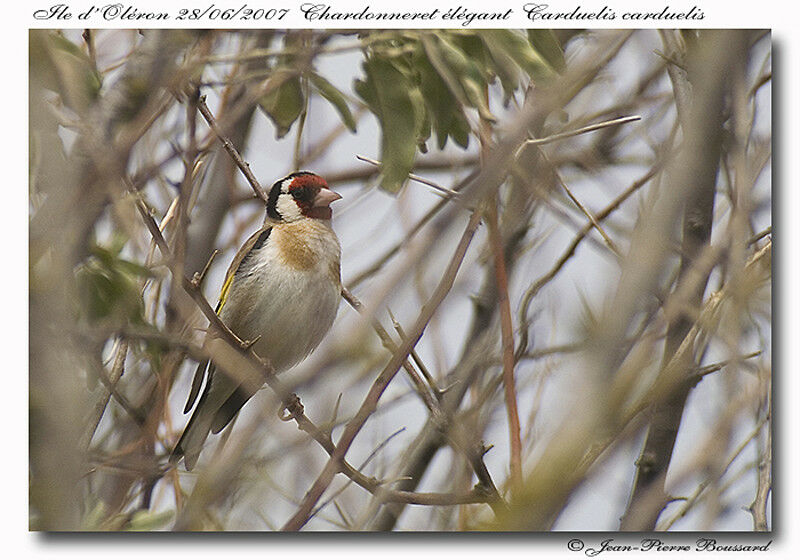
<point x="116" y="373"/>
<point x="316" y="151"/>
<point x="361" y="467"/>
<point x="379" y="263"/>
<point x="713" y="368"/>
<point x="582" y="130"/>
<point x="760" y="235"/>
<point x="389" y="344"/>
<point x="586" y="211"/>
<point x="692" y="500"/>
<point x="443" y="191"/>
<point x="758" y="508"/>
<point x="459" y="439"/>
<point x="507" y="334"/>
<point x="195" y="292"/>
<point x="417" y="360"/>
<point x="198" y="277"/>
<point x="231" y="149"/>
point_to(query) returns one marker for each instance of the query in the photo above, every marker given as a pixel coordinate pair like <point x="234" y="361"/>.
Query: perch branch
<point x="369" y="404"/>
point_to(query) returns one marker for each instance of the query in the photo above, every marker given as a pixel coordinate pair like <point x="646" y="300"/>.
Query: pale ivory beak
<point x="324" y="198"/>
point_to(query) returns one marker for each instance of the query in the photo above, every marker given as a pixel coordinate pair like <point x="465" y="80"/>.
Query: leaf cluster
<point x="416" y="83"/>
<point x="109" y="286"/>
<point x="422" y="82"/>
<point x="292" y="80"/>
<point x="60" y="65"/>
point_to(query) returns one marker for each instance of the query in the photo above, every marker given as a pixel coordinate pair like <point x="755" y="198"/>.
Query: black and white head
<point x="300" y="195"/>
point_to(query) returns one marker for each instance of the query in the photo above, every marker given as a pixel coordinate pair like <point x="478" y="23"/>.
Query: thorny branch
<point x="507" y="332"/>
<point x="231" y="149"/>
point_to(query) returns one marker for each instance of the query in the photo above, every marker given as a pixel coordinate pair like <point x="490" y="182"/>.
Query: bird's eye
<point x="303" y="193"/>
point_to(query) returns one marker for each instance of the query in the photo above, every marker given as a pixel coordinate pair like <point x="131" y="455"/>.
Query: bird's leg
<point x="198" y="277"/>
<point x="248" y="344"/>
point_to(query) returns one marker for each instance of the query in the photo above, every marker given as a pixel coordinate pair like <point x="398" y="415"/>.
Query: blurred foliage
<point x="63" y="67"/>
<point x="285" y="101"/>
<point x="98" y="518"/>
<point x="110" y="287"/>
<point x="437" y="78"/>
<point x="545" y="42"/>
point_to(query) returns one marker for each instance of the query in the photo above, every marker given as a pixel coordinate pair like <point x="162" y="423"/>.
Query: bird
<point x="281" y="290"/>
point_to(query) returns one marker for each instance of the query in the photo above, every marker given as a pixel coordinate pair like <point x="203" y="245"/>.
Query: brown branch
<point x="441" y="418"/>
<point x="389" y="344"/>
<point x="507" y="334"/>
<point x="582" y="208"/>
<point x="304" y="424"/>
<point x="377" y="488"/>
<point x="369" y="404"/>
<point x="116" y="373"/>
<point x="758" y="508"/>
<point x="579" y="131"/>
<point x="698" y="493"/>
<point x="231" y="149"/>
<point x="417" y="360"/>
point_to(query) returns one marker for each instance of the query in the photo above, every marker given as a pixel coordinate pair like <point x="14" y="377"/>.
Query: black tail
<point x="194" y="435"/>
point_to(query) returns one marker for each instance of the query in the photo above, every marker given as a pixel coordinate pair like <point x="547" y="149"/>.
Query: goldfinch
<point x="281" y="290"/>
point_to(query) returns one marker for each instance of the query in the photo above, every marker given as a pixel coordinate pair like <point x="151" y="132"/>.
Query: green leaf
<point x="115" y="245"/>
<point x="64" y="68"/>
<point x="497" y="64"/>
<point x="545" y="42"/>
<point x="94" y="517"/>
<point x="422" y="121"/>
<point x="387" y="92"/>
<point x="109" y="288"/>
<point x="444" y="111"/>
<point x="461" y="75"/>
<point x="150" y="521"/>
<point x="504" y="43"/>
<point x="285" y="102"/>
<point x="335" y="98"/>
<point x="459" y="132"/>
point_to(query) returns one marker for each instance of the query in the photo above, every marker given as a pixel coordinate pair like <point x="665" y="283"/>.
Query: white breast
<point x="291" y="307"/>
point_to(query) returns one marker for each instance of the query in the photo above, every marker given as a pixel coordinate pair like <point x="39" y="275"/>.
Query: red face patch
<point x="303" y="189"/>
